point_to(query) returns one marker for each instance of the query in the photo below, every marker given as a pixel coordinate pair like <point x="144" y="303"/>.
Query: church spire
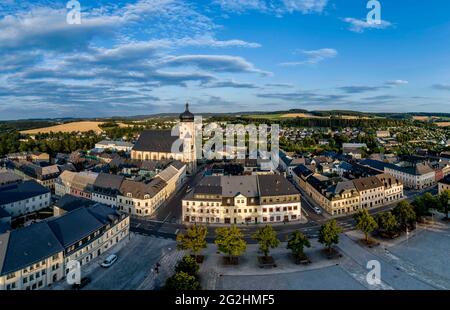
<point x="187" y="116"/>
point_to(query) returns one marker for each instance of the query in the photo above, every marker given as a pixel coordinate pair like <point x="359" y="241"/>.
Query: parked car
<point x="317" y="210"/>
<point x="109" y="261"/>
<point x="83" y="282"/>
<point x="189" y="189"/>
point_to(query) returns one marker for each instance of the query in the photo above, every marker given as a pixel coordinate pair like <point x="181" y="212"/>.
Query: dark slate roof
<point x="108" y="181"/>
<point x="364" y="184"/>
<point x="74" y="226"/>
<point x="345" y="166"/>
<point x="4" y="227"/>
<point x="140" y="189"/>
<point x="246" y="185"/>
<point x="445" y="180"/>
<point x="274" y="185"/>
<point x="25" y="246"/>
<point x="283" y="156"/>
<point x="342" y="187"/>
<point x="319" y="185"/>
<point x="156" y="141"/>
<point x="375" y="164"/>
<point x="104" y="213"/>
<point x="302" y="170"/>
<point x="208" y="190"/>
<point x="212" y="180"/>
<point x="20" y="191"/>
<point x="177" y="164"/>
<point x="4" y="213"/>
<point x="70" y="202"/>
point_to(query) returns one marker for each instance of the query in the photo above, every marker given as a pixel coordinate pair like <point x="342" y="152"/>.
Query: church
<point x="157" y="144"/>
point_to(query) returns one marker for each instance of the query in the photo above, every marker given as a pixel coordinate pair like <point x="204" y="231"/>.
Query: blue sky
<point x="130" y="57"/>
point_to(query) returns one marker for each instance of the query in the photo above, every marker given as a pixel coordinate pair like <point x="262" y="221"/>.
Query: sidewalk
<point x="391" y="275"/>
<point x="93" y="264"/>
<point x="213" y="268"/>
<point x="156" y="280"/>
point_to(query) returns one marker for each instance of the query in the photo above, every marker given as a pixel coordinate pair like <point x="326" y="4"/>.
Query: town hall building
<point x="157" y="144"/>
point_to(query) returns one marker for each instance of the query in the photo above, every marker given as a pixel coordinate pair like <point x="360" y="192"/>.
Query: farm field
<point x="82" y="126"/>
<point x="442" y="124"/>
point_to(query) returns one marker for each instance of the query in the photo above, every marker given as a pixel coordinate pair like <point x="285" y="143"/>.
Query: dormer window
<point x="146" y="196"/>
<point x="129" y="195"/>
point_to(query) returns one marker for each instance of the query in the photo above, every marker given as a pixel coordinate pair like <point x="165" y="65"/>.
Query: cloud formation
<point x="441" y="86"/>
<point x="277" y="7"/>
<point x="313" y="57"/>
<point x="360" y="25"/>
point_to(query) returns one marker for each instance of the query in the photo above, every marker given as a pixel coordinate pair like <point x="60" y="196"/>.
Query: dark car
<point x="83" y="282"/>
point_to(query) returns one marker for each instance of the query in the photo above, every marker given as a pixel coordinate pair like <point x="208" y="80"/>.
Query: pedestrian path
<point x="391" y="275"/>
<point x="156" y="279"/>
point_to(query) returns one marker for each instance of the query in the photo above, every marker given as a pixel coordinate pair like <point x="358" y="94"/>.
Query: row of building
<point x="414" y="175"/>
<point x="38" y="255"/>
<point x="242" y="199"/>
<point x="337" y="195"/>
<point x="137" y="196"/>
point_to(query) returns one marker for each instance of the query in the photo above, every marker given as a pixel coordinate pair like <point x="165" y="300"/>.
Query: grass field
<point x="70" y="127"/>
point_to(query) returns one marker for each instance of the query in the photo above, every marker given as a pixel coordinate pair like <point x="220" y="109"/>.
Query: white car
<point x="317" y="210"/>
<point x="109" y="261"/>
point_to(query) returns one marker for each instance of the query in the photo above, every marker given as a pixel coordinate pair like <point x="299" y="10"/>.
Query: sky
<point x="140" y="57"/>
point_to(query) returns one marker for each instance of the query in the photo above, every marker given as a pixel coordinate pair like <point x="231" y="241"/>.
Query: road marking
<point x="176" y="231"/>
<point x="170" y="213"/>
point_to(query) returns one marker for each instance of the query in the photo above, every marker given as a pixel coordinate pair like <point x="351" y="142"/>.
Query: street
<point x="166" y="222"/>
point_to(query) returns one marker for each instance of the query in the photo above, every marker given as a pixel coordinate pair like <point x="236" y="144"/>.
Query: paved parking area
<point x="135" y="263"/>
<point x="421" y="262"/>
<point x="428" y="252"/>
<point x="136" y="259"/>
<point x="336" y="279"/>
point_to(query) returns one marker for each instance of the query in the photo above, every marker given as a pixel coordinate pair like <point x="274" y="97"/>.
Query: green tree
<point x="297" y="242"/>
<point x="230" y="241"/>
<point x="365" y="222"/>
<point x="404" y="213"/>
<point x="267" y="239"/>
<point x="181" y="281"/>
<point x="387" y="221"/>
<point x="188" y="265"/>
<point x="194" y="239"/>
<point x="424" y="203"/>
<point x="443" y="202"/>
<point x="329" y="234"/>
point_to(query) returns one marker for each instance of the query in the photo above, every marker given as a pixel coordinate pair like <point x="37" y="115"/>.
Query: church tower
<point x="187" y="134"/>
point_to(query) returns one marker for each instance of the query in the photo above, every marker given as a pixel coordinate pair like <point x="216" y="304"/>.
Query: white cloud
<point x="242" y="5"/>
<point x="305" y="6"/>
<point x="313" y="57"/>
<point x="277" y="7"/>
<point x="359" y="25"/>
<point x="441" y="86"/>
<point x="215" y="63"/>
<point x="396" y="83"/>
